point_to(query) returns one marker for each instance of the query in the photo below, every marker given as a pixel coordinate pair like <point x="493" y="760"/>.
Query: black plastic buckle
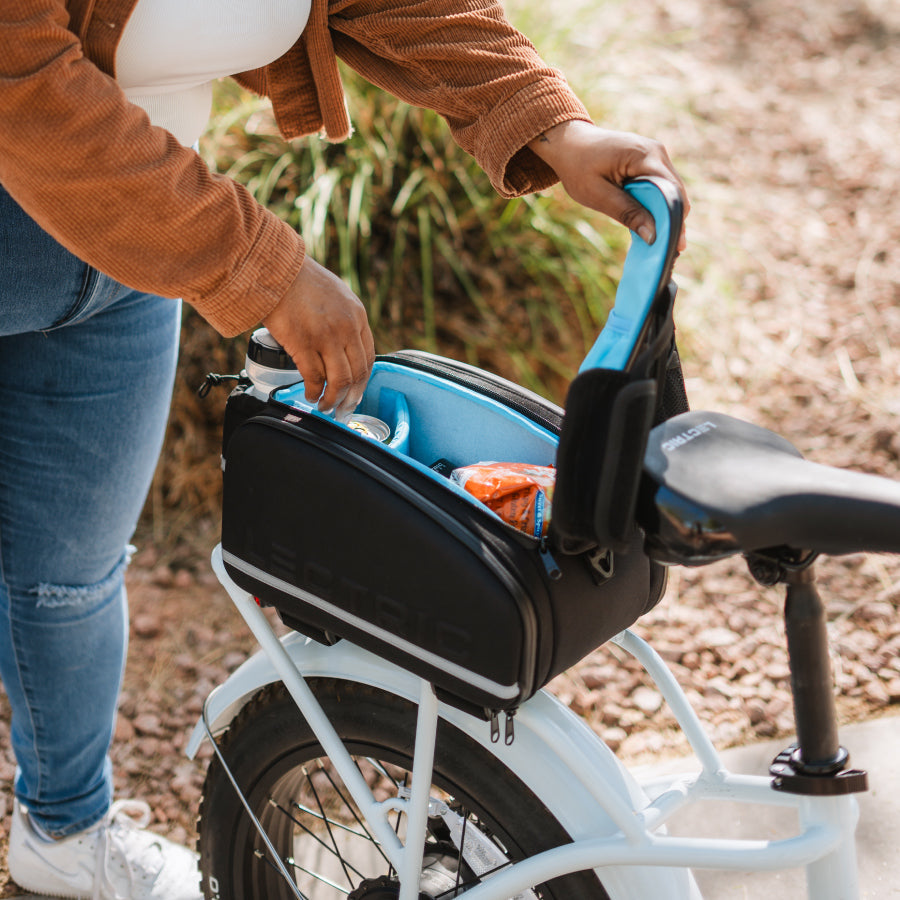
<point x="792" y="776"/>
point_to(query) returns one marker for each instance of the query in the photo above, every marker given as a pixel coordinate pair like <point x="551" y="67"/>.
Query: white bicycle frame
<point x="617" y="825"/>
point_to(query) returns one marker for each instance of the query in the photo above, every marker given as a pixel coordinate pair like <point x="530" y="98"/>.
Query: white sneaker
<point x="114" y="860"/>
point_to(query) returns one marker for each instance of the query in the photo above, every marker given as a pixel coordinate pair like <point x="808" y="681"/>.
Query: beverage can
<point x="370" y="427"/>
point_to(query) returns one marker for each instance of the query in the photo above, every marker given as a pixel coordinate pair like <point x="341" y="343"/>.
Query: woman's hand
<point x="323" y="326"/>
<point x="593" y="163"/>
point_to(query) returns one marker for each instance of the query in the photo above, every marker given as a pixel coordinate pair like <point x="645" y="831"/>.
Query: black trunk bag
<point x="353" y="539"/>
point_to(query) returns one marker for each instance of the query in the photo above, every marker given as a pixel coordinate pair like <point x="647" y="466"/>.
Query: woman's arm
<point x="123" y="195"/>
<point x="464" y="60"/>
<point x="127" y="198"/>
<point x="515" y="114"/>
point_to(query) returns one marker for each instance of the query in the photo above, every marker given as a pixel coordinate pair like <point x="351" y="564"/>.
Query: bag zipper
<point x="509" y="734"/>
<point x="554" y="573"/>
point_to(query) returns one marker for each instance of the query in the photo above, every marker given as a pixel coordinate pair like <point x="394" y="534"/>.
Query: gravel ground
<point x="783" y="116"/>
<point x="791" y="154"/>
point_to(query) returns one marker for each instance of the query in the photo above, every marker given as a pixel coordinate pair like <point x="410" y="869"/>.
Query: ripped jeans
<point x="86" y="371"/>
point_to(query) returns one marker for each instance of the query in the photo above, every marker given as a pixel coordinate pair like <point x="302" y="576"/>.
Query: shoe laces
<point x="121" y="834"/>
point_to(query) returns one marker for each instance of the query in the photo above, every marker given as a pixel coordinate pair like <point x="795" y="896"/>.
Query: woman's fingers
<point x="323" y="326"/>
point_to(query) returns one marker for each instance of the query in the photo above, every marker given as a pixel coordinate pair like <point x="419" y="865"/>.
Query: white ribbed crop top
<point x="172" y="50"/>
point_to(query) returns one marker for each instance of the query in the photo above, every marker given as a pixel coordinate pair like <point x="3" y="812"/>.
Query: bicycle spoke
<point x="318" y="876"/>
<point x="327" y="822"/>
<point x="332" y="850"/>
<point x="306" y="810"/>
<point x="352" y="807"/>
<point x="397" y="787"/>
<point x="379" y="767"/>
<point x="288" y="861"/>
<point x="462" y="843"/>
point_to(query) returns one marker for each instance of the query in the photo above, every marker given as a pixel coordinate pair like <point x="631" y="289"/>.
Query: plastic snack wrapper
<point x="520" y="493"/>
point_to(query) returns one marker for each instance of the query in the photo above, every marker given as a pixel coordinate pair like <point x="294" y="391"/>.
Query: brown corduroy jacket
<point x="127" y="198"/>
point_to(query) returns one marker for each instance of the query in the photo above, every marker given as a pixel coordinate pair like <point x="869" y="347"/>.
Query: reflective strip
<point x="501" y="691"/>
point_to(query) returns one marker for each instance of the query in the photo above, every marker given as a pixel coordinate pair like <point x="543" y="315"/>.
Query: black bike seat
<point x="715" y="486"/>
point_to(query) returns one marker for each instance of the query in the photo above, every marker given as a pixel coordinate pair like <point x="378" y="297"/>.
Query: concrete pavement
<point x="875" y="747"/>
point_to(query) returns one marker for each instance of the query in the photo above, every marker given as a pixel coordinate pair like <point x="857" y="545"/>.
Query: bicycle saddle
<point x="715" y="486"/>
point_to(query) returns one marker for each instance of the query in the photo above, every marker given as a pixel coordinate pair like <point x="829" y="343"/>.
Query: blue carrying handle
<point x="646" y="272"/>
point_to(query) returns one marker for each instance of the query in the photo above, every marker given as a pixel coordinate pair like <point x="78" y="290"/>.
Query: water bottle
<point x="268" y="365"/>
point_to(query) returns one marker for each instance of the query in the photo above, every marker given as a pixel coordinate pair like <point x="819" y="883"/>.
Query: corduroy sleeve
<point x="121" y="194"/>
<point x="464" y="60"/>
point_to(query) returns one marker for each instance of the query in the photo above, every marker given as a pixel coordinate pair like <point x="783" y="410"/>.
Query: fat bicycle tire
<point x="275" y="758"/>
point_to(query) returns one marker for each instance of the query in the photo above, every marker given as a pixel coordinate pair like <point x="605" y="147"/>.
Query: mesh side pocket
<point x="673" y="398"/>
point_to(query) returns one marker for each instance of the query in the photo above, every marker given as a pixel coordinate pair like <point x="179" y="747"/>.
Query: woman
<point x="105" y="212"/>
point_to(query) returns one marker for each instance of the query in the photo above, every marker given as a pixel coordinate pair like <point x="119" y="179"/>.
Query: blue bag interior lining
<point x="431" y="419"/>
<point x="644" y="268"/>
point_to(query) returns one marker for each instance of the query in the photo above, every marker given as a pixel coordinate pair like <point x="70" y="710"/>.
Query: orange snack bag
<point x="520" y="493"/>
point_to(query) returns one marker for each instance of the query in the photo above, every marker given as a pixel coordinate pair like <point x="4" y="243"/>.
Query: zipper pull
<point x="603" y="562"/>
<point x="495" y="726"/>
<point x="550" y="564"/>
<point x="510" y="735"/>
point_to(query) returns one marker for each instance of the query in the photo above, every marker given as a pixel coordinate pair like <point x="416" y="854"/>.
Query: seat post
<point x="816" y="765"/>
<point x="812" y="682"/>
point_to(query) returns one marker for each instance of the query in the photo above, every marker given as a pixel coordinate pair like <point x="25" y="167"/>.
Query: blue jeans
<point x="86" y="371"/>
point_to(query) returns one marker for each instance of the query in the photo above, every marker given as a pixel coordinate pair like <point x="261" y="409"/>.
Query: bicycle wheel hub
<point x="439" y="878"/>
<point x="385" y="887"/>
